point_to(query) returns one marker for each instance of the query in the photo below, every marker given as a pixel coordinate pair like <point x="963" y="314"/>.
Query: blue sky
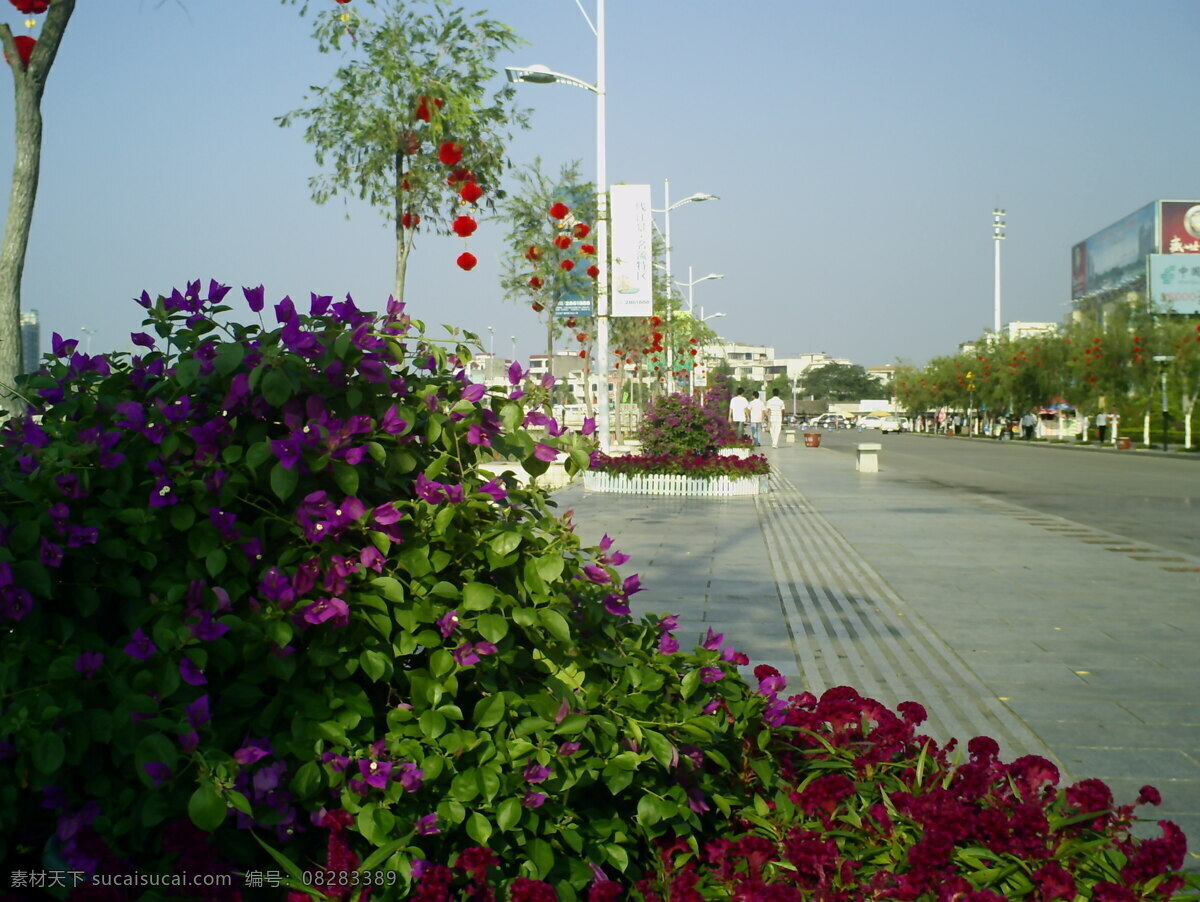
<point x="858" y="149"/>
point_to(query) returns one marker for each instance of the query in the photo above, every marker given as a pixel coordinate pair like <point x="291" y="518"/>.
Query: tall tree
<point x="840" y="382"/>
<point x="30" y="70"/>
<point x="408" y="123"/>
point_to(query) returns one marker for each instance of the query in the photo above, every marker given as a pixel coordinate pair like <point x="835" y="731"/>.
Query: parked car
<point x="870" y="422"/>
<point x="831" y="421"/>
<point x="893" y="424"/>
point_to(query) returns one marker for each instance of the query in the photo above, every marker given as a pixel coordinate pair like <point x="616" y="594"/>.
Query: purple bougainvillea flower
<point x="668" y="644"/>
<point x="712" y="641"/>
<point x="545" y="453"/>
<point x="88" y="663"/>
<point x="534" y="799"/>
<point x="597" y="574"/>
<point x="536" y="773"/>
<point x="696" y="801"/>
<point x="386" y="515"/>
<point x="253" y="752"/>
<point x="515" y="373"/>
<point x="711" y="707"/>
<point x="477" y="435"/>
<point x="711" y="674"/>
<point x="50" y="553"/>
<point x="130" y="415"/>
<point x="375" y="773"/>
<point x="189" y="741"/>
<point x="163" y="493"/>
<point x="254" y="298"/>
<point x="567" y="749"/>
<point x="158" y="772"/>
<point x="276" y="587"/>
<point x="191" y="674"/>
<point x="448" y="623"/>
<point x="371" y="559"/>
<point x="327" y="609"/>
<point x="208" y="630"/>
<point x="287" y="451"/>
<point x="392" y="424"/>
<point x="589" y="426"/>
<point x="465" y="655"/>
<point x="140" y="646"/>
<point x="78" y="536"/>
<point x="426" y="825"/>
<point x="318" y="304"/>
<point x="437" y="492"/>
<point x="198" y="713"/>
<point x="537" y="418"/>
<point x="494" y="488"/>
<point x="617" y="605"/>
<point x="474" y="392"/>
<point x="61" y="347"/>
<point x="410" y="776"/>
<point x="632" y="585"/>
<point x="225" y="523"/>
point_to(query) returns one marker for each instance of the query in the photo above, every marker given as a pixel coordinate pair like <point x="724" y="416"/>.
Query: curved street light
<point x="692" y="283"/>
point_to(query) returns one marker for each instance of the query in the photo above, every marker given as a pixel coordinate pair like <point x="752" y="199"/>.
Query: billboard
<point x="1115" y="256"/>
<point x="570" y="305"/>
<point x="1174" y="283"/>
<point x="1180" y="227"/>
<point x="631" y="283"/>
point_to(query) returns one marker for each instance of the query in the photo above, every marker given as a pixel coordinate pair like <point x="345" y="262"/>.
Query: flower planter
<point x="664" y="484"/>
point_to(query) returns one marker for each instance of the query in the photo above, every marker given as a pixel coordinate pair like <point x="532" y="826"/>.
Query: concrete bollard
<point x="867" y="458"/>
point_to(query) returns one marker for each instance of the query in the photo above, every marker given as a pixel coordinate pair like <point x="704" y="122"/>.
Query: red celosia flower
<point x="583" y="353"/>
<point x="589" y="249"/>
<point x="562" y="242"/>
<point x="450" y="153"/>
<point x="582" y="230"/>
<point x="525" y="890"/>
<point x="567" y="265"/>
<point x="533" y="253"/>
<point x="593" y="271"/>
<point x="466" y="260"/>
<point x="655" y="321"/>
<point x="470" y="192"/>
<point x="464" y="226"/>
<point x="476" y="861"/>
<point x="535" y="282"/>
<point x="559" y="210"/>
<point x="410" y="220"/>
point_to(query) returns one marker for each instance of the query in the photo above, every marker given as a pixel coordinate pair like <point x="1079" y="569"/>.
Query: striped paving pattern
<point x="849" y="627"/>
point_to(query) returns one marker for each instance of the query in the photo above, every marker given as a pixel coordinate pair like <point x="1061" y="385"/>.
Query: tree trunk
<point x="28" y="83"/>
<point x="403" y="235"/>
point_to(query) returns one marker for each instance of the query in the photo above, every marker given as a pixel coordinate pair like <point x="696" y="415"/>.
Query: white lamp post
<point x="692" y="283"/>
<point x="540" y="75"/>
<point x="666" y="211"/>
<point x="705" y="319"/>
<point x="998" y="227"/>
<point x="491" y="373"/>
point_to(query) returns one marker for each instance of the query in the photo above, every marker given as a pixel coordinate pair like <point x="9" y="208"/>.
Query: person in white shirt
<point x="775" y="417"/>
<point x="754" y="412"/>
<point x="737" y="411"/>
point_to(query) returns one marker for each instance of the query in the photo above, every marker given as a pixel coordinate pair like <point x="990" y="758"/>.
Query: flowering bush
<point x="675" y="424"/>
<point x="254" y="587"/>
<point x="694" y="465"/>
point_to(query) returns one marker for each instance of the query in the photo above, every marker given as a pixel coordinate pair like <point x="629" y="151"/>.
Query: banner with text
<point x="631" y="284"/>
<point x="1174" y="282"/>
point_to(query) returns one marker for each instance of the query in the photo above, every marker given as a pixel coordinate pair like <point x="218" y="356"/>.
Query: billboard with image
<point x="1179" y="230"/>
<point x="1115" y="256"/>
<point x="1174" y="284"/>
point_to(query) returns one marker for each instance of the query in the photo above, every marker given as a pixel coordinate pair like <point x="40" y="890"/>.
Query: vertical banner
<point x="631" y="240"/>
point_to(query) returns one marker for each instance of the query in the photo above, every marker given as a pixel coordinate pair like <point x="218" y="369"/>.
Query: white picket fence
<point x="663" y="484"/>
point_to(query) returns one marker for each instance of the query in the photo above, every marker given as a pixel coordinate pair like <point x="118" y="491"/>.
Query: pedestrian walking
<point x="754" y="413"/>
<point x="1028" y="422"/>
<point x="775" y="417"/>
<point x="737" y="411"/>
<point x="1101" y="426"/>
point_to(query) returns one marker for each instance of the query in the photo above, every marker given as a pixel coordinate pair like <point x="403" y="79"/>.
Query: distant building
<point x="31" y="342"/>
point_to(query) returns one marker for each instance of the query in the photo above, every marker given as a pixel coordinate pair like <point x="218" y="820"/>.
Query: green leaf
<point x="229" y="357"/>
<point x="479" y="828"/>
<point x="276" y="388"/>
<point x="258" y="454"/>
<point x="183" y="516"/>
<point x="206" y="808"/>
<point x="550" y="567"/>
<point x="492" y="627"/>
<point x="391" y="588"/>
<point x="647" y="810"/>
<point x="215" y="562"/>
<point x="541" y="855"/>
<point x="435" y="469"/>
<point x="415" y="560"/>
<point x="555" y="624"/>
<point x="346" y="477"/>
<point x="489" y="711"/>
<point x="49" y="753"/>
<point x="508" y="814"/>
<point x="374" y="664"/>
<point x="477" y="596"/>
<point x="690" y="682"/>
<point x="283" y="482"/>
<point x="505" y="543"/>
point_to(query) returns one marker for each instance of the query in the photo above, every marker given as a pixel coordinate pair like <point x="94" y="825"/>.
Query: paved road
<point x="1148" y="499"/>
<point x="944" y="579"/>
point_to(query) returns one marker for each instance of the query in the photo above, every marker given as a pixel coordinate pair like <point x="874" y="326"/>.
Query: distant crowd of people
<point x="749" y="415"/>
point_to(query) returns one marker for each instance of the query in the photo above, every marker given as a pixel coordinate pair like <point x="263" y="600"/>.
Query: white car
<point x="870" y="422"/>
<point x="892" y="424"/>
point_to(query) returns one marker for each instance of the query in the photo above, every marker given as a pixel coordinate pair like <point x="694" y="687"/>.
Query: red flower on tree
<point x="535" y="282"/>
<point x="589" y="249"/>
<point x="582" y="336"/>
<point x="410" y="220"/>
<point x="423" y="112"/>
<point x="583" y="353"/>
<point x="567" y="265"/>
<point x="562" y="242"/>
<point x="466" y="260"/>
<point x="450" y="153"/>
<point x="31" y="7"/>
<point x="460" y="175"/>
<point x="582" y="229"/>
<point x="471" y="192"/>
<point x="537" y="308"/>
<point x="533" y="253"/>
<point x="25" y="45"/>
<point x="559" y="210"/>
<point x="593" y="271"/>
<point x="464" y="226"/>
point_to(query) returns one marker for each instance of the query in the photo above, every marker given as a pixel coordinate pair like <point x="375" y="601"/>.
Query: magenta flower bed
<point x="694" y="465"/>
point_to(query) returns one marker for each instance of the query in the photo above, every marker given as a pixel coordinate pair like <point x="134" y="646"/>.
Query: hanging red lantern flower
<point x="692" y="351"/>
<point x="582" y="229"/>
<point x="571" y="322"/>
<point x="618" y="353"/>
<point x="471" y="192"/>
<point x="464" y="226"/>
<point x="535" y="282"/>
<point x="692" y="341"/>
<point x="466" y="260"/>
<point x="423" y="111"/>
<point x="25" y="45"/>
<point x="655" y="321"/>
<point x="409" y="142"/>
<point x="583" y="353"/>
<point x="460" y="175"/>
<point x="588" y="249"/>
<point x="582" y="336"/>
<point x="593" y="271"/>
<point x="343" y="1"/>
<point x="533" y="253"/>
<point x="450" y="153"/>
<point x="410" y="220"/>
<point x="562" y="242"/>
<point x="537" y="308"/>
<point x="567" y="265"/>
<point x="31" y="7"/>
<point x="559" y="210"/>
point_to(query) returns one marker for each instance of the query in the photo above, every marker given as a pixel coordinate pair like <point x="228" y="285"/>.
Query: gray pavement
<point x="1054" y="638"/>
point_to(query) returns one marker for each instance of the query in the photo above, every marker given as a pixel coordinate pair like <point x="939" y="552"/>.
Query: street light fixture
<point x="541" y="75"/>
<point x="692" y="283"/>
<point x="666" y="211"/>
<point x="1162" y="360"/>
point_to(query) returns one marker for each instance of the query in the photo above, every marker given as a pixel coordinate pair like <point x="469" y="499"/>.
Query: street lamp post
<point x="491" y="353"/>
<point x="543" y="75"/>
<point x="691" y="283"/>
<point x="1162" y="360"/>
<point x="666" y="211"/>
<point x="998" y="227"/>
